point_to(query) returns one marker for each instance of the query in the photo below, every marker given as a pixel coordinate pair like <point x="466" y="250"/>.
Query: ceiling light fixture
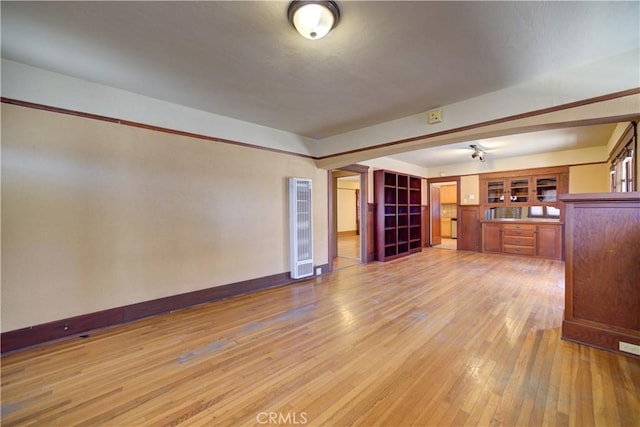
<point x="313" y="19"/>
<point x="477" y="153"/>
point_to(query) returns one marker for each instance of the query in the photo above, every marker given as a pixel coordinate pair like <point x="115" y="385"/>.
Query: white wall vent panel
<point x="300" y="227"/>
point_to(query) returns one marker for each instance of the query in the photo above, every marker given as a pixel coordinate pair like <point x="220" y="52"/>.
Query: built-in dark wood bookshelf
<point x="397" y="199"/>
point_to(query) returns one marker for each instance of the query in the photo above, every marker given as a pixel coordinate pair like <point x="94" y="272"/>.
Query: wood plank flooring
<point x="348" y="250"/>
<point x="446" y="243"/>
<point x="440" y="338"/>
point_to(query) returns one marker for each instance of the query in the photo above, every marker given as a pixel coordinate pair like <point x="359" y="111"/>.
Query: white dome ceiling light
<point x="313" y="19"/>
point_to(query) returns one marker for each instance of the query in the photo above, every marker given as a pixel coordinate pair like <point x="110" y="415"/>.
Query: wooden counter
<point x="533" y="237"/>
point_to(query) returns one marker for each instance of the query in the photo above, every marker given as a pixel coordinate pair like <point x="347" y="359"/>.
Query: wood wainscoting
<point x="469" y="228"/>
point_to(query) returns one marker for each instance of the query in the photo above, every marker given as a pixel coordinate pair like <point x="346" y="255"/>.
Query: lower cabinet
<point x="445" y="227"/>
<point x="549" y="241"/>
<point x="491" y="237"/>
<point x="530" y="239"/>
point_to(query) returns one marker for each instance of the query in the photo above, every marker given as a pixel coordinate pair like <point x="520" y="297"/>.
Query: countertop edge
<point x="523" y="221"/>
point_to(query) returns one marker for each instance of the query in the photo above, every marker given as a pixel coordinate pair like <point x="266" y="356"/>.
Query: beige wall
<point x="346" y="208"/>
<point x="97" y="215"/>
<point x="615" y="137"/>
<point x="470" y="190"/>
<point x="589" y="178"/>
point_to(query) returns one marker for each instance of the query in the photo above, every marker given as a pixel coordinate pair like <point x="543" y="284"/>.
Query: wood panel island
<point x="602" y="271"/>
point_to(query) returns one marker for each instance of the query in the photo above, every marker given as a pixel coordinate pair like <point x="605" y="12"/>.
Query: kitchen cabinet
<point x="448" y="194"/>
<point x="506" y="192"/>
<point x="445" y="227"/>
<point x="519" y="190"/>
<point x="519" y="239"/>
<point x="531" y="187"/>
<point x="530" y="238"/>
<point x="521" y="196"/>
<point x="549" y="241"/>
<point x="493" y="191"/>
<point x="492" y="237"/>
<point x="545" y="189"/>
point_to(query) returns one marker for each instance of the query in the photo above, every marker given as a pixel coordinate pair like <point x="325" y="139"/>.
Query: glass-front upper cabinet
<point x="519" y="190"/>
<point x="495" y="192"/>
<point x="546" y="189"/>
<point x="504" y="192"/>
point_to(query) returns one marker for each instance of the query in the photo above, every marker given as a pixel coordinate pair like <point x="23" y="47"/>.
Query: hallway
<point x="348" y="250"/>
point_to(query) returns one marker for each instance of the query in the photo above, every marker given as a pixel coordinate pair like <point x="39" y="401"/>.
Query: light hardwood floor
<point x="451" y="244"/>
<point x="438" y="338"/>
<point x="348" y="250"/>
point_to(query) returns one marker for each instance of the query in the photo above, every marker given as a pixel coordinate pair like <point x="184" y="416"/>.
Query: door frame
<point x="434" y="216"/>
<point x="439" y="180"/>
<point x="332" y="187"/>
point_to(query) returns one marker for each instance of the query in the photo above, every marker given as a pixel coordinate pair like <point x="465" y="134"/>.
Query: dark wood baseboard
<point x="79" y="325"/>
<point x="593" y="335"/>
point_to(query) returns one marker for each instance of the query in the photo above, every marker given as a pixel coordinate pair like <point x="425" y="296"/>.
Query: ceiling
<point x="512" y="145"/>
<point x="384" y="61"/>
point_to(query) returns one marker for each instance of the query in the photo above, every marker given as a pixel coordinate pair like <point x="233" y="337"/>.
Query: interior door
<point x="436" y="234"/>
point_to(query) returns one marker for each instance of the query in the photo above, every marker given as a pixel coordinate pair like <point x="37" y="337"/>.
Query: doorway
<point x="347" y="221"/>
<point x="443" y="214"/>
<point x="348" y="225"/>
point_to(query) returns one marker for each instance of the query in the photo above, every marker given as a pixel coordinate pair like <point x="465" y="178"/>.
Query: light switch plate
<point x="434" y="116"/>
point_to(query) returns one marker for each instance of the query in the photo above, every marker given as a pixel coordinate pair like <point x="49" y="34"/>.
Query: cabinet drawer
<point x="531" y="227"/>
<point x="523" y="232"/>
<point x="519" y="250"/>
<point x="518" y="240"/>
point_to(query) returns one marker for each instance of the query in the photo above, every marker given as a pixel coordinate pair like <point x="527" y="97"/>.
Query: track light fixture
<point x="477" y="153"/>
<point x="313" y="19"/>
